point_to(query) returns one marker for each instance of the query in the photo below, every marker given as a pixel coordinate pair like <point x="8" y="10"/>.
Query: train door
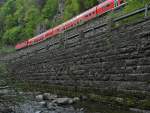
<point x="104" y="7"/>
<point x="57" y="30"/>
<point x="108" y="6"/>
<point x="31" y="41"/>
<point x="99" y="10"/>
<point x="48" y="33"/>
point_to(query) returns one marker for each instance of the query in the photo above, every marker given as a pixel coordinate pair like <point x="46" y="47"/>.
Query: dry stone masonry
<point x="103" y="58"/>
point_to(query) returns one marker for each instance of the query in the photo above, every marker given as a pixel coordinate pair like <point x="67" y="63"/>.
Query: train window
<point x="86" y="15"/>
<point x="107" y="5"/>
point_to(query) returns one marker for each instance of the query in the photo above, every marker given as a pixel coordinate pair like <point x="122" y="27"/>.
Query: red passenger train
<point x="98" y="10"/>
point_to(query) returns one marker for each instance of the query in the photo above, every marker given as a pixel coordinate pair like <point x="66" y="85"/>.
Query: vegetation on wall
<point x="132" y="5"/>
<point x="135" y="4"/>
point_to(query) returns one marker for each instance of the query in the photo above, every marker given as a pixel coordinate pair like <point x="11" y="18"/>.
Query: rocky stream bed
<point x="14" y="101"/>
<point x="29" y="102"/>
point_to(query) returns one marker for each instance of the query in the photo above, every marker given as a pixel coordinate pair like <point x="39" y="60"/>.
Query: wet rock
<point x="63" y="101"/>
<point x="75" y="99"/>
<point x="83" y="97"/>
<point x="120" y="100"/>
<point x="81" y="109"/>
<point x="5" y="109"/>
<point x="43" y="103"/>
<point x="67" y="109"/>
<point x="48" y="96"/>
<point x="139" y="110"/>
<point x="21" y="93"/>
<point x="60" y="109"/>
<point x="4" y="91"/>
<point x="3" y="83"/>
<point x="51" y="105"/>
<point x="70" y="101"/>
<point x="39" y="97"/>
<point x="38" y="112"/>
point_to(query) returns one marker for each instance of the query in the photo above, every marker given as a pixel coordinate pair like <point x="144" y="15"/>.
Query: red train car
<point x="48" y="33"/>
<point x="21" y="45"/>
<point x="86" y="16"/>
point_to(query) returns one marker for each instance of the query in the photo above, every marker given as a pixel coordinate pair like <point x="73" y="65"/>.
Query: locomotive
<point x="97" y="10"/>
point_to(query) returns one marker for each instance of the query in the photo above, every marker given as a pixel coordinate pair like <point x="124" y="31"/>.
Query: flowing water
<point x="93" y="107"/>
<point x="83" y="107"/>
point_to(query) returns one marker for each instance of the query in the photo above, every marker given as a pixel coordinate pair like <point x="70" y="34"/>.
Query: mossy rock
<point x="144" y="104"/>
<point x="131" y="102"/>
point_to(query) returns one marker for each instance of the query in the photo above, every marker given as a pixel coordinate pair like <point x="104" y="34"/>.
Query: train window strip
<point x="86" y="15"/>
<point x="106" y="5"/>
<point x="92" y="13"/>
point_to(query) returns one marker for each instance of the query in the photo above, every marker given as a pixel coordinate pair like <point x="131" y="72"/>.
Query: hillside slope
<point x="23" y="19"/>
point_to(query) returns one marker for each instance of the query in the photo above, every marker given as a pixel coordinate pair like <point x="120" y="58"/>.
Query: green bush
<point x="3" y="71"/>
<point x="135" y="4"/>
<point x="50" y="9"/>
<point x="11" y="35"/>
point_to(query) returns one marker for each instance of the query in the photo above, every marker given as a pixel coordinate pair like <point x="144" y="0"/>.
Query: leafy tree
<point x="72" y="8"/>
<point x="86" y="4"/>
<point x="10" y="37"/>
<point x="50" y="9"/>
<point x="6" y="16"/>
<point x="8" y="8"/>
<point x="32" y="19"/>
<point x="19" y="19"/>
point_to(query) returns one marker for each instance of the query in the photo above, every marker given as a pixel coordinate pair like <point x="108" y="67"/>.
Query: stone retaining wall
<point x="103" y="58"/>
